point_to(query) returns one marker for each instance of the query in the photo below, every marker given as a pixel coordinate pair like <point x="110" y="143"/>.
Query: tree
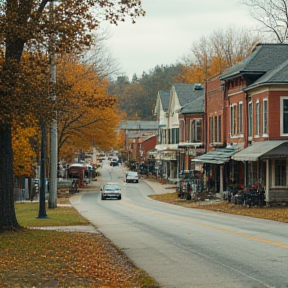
<point x="85" y="110"/>
<point x="137" y="99"/>
<point x="25" y="26"/>
<point x="24" y="151"/>
<point x="211" y="55"/>
<point x="272" y="16"/>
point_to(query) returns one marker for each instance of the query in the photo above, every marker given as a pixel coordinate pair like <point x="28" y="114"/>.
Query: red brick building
<point x="247" y="112"/>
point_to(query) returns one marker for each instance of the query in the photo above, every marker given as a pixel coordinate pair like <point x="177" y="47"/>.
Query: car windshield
<point x="132" y="173"/>
<point x="111" y="188"/>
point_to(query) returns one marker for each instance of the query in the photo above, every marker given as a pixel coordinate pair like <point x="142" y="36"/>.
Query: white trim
<point x="250" y="136"/>
<point x="266" y="133"/>
<point x="257" y="117"/>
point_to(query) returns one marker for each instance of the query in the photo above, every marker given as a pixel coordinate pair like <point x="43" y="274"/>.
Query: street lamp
<point x="53" y="129"/>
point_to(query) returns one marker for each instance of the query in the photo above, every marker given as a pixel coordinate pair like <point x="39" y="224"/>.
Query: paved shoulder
<point x="159" y="188"/>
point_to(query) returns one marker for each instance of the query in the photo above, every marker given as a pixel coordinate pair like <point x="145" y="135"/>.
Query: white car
<point x="110" y="190"/>
<point x="132" y="176"/>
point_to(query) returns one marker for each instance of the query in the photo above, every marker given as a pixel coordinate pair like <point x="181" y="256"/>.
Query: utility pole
<point x="52" y="203"/>
<point x="42" y="208"/>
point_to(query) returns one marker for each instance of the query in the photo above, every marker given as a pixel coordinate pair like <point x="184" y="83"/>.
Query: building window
<point x="182" y="130"/>
<point x="257" y="118"/>
<point x="215" y="127"/>
<point x="284" y="116"/>
<point x="219" y="129"/>
<point x="240" y="118"/>
<point x="265" y="116"/>
<point x="233" y="123"/>
<point x="211" y="129"/>
<point x="196" y="130"/>
<point x="174" y="136"/>
<point x="280" y="172"/>
<point x="250" y="119"/>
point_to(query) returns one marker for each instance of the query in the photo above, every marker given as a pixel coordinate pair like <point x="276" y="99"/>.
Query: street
<point x="187" y="248"/>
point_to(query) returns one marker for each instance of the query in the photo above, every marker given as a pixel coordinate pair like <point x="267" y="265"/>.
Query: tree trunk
<point x="8" y="219"/>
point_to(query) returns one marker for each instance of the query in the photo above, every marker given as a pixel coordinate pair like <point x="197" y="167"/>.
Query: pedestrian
<point x="110" y="172"/>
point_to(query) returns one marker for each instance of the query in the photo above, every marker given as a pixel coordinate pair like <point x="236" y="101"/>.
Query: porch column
<point x="186" y="161"/>
<point x="221" y="179"/>
<point x="245" y="174"/>
<point x="267" y="185"/>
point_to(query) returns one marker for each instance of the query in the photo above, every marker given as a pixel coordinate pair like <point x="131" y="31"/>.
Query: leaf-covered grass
<point x="41" y="258"/>
<point x="277" y="213"/>
<point x="27" y="216"/>
<point x="45" y="258"/>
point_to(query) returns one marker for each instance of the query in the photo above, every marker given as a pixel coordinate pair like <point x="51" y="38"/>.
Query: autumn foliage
<point x="30" y="32"/>
<point x="211" y="55"/>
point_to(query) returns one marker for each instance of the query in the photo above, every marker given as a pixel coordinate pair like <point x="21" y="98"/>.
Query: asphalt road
<point x="185" y="248"/>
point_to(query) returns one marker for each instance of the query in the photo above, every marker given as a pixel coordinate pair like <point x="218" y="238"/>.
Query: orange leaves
<point x="85" y="111"/>
<point x="46" y="258"/>
<point x="22" y="138"/>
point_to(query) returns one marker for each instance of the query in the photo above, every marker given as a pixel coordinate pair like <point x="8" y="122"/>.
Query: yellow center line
<point x="245" y="235"/>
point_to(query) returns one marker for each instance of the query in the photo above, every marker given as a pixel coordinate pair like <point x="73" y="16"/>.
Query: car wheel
<point x="102" y="197"/>
<point x="137" y="181"/>
<point x="119" y="197"/>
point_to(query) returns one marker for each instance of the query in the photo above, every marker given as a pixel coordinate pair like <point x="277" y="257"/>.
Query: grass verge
<point x="279" y="213"/>
<point x="45" y="258"/>
<point x="27" y="214"/>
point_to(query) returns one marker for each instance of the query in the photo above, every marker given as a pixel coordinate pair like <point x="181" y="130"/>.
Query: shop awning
<point x="262" y="149"/>
<point x="190" y="144"/>
<point x="164" y="147"/>
<point x="218" y="156"/>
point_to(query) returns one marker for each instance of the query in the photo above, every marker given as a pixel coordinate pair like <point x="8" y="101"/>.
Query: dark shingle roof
<point x="165" y="98"/>
<point x="264" y="58"/>
<point x="138" y="124"/>
<point x="278" y="75"/>
<point x="196" y="106"/>
<point x="188" y="92"/>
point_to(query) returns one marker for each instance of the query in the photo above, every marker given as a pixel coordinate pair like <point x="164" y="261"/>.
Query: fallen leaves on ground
<point x="277" y="213"/>
<point x="40" y="258"/>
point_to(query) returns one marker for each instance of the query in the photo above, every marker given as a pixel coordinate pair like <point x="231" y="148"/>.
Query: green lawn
<point x="27" y="214"/>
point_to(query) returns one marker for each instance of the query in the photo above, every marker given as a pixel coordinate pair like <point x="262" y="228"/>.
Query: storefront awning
<point x="190" y="144"/>
<point x="262" y="149"/>
<point x="163" y="147"/>
<point x="218" y="156"/>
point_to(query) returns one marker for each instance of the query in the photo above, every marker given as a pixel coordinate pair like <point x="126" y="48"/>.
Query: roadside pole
<point x="52" y="203"/>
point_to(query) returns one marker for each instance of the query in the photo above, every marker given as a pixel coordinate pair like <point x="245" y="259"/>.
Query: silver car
<point x="110" y="190"/>
<point x="132" y="176"/>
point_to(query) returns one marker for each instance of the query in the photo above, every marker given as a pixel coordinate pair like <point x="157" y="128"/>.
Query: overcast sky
<point x="168" y="30"/>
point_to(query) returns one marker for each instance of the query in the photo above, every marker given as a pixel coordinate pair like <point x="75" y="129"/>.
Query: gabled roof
<point x="188" y="92"/>
<point x="196" y="106"/>
<point x="165" y="98"/>
<point x="278" y="75"/>
<point x="264" y="58"/>
<point x="139" y="125"/>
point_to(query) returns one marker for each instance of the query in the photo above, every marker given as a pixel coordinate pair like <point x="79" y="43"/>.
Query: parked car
<point x="114" y="163"/>
<point x="110" y="190"/>
<point x="132" y="176"/>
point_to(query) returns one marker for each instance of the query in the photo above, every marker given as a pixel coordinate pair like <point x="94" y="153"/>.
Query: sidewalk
<point x="159" y="188"/>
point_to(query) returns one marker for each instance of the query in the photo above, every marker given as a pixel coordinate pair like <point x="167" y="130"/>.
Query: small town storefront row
<point x="262" y="166"/>
<point x="265" y="165"/>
